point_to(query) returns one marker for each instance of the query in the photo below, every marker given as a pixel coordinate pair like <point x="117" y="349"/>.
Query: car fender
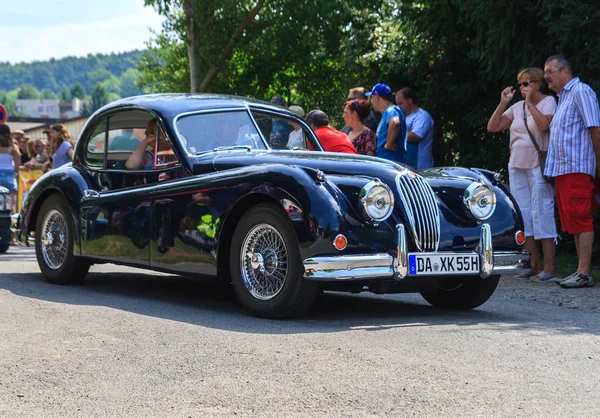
<point x="65" y="181"/>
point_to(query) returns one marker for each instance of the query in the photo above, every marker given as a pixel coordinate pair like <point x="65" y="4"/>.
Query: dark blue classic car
<point x="207" y="195"/>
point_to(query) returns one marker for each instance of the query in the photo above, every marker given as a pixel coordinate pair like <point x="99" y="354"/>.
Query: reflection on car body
<point x="280" y="225"/>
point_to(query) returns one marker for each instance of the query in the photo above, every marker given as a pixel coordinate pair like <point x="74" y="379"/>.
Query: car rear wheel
<point x="54" y="244"/>
<point x="4" y="248"/>
<point x="266" y="267"/>
<point x="462" y="294"/>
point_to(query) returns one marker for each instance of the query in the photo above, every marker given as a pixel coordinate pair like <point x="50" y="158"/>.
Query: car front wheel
<point x="462" y="294"/>
<point x="266" y="267"/>
<point x="4" y="248"/>
<point x="54" y="244"/>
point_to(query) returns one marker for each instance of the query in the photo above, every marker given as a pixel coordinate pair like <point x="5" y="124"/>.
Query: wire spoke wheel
<point x="264" y="262"/>
<point x="54" y="235"/>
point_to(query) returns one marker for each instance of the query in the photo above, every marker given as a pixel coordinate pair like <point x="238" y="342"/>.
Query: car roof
<point x="172" y="104"/>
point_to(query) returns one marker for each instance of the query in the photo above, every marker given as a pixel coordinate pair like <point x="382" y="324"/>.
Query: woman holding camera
<point x="529" y="120"/>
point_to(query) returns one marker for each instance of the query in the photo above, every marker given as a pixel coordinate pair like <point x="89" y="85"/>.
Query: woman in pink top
<point x="533" y="194"/>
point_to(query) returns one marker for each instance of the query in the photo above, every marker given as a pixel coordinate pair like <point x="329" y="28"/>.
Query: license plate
<point x="442" y="264"/>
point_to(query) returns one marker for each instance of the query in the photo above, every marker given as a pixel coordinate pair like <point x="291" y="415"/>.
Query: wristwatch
<point x="530" y="105"/>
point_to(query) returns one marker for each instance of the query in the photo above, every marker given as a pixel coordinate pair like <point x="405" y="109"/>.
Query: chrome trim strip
<point x="361" y="266"/>
<point x="486" y="251"/>
<point x="506" y="262"/>
<point x="401" y="265"/>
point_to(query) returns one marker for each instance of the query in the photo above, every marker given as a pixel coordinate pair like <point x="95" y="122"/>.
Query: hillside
<point x="57" y="74"/>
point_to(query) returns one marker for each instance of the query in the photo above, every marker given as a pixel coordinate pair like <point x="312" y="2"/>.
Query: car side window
<point x="94" y="148"/>
<point x="136" y="132"/>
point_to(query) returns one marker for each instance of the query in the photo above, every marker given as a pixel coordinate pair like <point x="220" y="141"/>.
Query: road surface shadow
<point x="209" y="304"/>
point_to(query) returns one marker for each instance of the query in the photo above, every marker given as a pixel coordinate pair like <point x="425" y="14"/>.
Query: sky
<point x="37" y="30"/>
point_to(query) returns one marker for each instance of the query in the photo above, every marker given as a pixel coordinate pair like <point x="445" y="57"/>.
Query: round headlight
<point x="480" y="200"/>
<point x="377" y="201"/>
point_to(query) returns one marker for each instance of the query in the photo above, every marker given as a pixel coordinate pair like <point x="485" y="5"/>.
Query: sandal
<point x="527" y="275"/>
<point x="544" y="277"/>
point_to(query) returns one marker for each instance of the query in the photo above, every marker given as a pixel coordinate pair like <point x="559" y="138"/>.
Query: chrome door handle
<point x="91" y="193"/>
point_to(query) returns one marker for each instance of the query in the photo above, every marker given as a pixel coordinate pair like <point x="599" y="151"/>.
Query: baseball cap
<point x="18" y="132"/>
<point x="380" y="89"/>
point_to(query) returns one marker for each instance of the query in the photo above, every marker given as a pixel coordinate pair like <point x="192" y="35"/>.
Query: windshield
<point x="209" y="131"/>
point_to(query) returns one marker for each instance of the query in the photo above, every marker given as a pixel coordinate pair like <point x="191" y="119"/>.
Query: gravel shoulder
<point x="587" y="299"/>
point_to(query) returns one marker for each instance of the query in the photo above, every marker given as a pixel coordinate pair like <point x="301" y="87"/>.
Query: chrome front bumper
<point x="385" y="266"/>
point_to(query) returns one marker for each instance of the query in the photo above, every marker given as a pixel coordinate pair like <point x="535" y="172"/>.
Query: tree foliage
<point x="28" y="92"/>
<point x="76" y="91"/>
<point x="100" y="97"/>
<point x="57" y="74"/>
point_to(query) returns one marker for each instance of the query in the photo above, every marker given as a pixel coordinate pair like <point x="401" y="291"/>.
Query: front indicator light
<point x="340" y="242"/>
<point x="520" y="237"/>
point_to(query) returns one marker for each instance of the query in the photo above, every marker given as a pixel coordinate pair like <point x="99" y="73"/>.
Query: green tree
<point x="112" y="85"/>
<point x="212" y="29"/>
<point x="129" y="81"/>
<point x="77" y="91"/>
<point x="65" y="95"/>
<point x="48" y="94"/>
<point x="291" y="48"/>
<point x="100" y="97"/>
<point x="28" y="91"/>
<point x="98" y="76"/>
<point x="9" y="100"/>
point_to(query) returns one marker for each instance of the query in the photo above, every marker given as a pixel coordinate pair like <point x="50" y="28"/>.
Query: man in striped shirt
<point x="573" y="154"/>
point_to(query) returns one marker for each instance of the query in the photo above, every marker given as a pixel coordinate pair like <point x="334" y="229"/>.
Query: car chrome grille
<point x="422" y="211"/>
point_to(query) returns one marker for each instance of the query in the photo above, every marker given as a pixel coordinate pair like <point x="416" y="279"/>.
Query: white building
<point x="49" y="108"/>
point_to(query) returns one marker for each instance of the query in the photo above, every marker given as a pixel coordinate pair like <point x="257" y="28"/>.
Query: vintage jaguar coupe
<point x="218" y="194"/>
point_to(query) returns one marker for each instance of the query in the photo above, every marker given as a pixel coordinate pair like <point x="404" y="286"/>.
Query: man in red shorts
<point x="331" y="140"/>
<point x="573" y="154"/>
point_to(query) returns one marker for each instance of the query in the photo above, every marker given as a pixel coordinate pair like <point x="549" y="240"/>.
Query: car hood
<point x="328" y="162"/>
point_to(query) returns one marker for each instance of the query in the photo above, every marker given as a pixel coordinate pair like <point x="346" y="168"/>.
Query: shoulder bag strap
<point x="535" y="144"/>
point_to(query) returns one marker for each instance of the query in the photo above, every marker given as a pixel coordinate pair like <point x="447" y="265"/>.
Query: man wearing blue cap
<point x="391" y="131"/>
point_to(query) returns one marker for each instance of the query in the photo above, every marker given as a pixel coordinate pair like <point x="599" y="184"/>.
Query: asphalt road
<point x="135" y="343"/>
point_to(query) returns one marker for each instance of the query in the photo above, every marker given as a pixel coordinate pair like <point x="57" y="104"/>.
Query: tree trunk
<point x="193" y="45"/>
<point x="216" y="66"/>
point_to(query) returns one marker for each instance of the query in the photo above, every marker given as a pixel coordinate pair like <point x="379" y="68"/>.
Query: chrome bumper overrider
<point x="15" y="223"/>
<point x="382" y="266"/>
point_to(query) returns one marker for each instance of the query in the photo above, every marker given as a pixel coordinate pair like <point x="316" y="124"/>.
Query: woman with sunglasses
<point x="528" y="120"/>
<point x="364" y="139"/>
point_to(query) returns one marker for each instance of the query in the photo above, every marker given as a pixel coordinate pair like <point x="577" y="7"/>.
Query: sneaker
<point x="559" y="281"/>
<point x="577" y="281"/>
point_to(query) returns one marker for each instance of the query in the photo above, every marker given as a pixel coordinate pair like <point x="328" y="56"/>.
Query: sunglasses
<point x="525" y="83"/>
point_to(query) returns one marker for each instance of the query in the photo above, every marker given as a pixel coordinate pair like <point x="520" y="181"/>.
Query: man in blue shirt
<point x="391" y="131"/>
<point x="419" y="123"/>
